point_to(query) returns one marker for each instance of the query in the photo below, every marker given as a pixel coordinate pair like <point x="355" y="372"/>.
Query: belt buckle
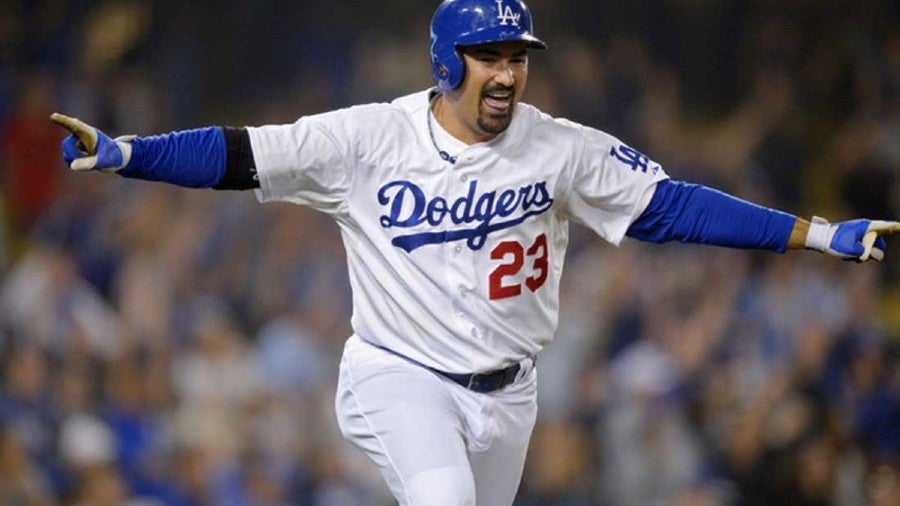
<point x="472" y="379"/>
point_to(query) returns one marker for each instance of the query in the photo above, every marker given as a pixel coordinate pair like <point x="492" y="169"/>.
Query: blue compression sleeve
<point x="694" y="213"/>
<point x="191" y="158"/>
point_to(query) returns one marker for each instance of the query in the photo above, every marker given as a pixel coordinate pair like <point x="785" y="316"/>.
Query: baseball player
<point x="453" y="204"/>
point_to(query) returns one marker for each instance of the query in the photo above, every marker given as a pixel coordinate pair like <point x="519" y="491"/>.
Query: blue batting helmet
<point x="459" y="23"/>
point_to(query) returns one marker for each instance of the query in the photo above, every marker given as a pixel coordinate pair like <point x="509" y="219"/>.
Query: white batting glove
<point x="858" y="240"/>
<point x="90" y="149"/>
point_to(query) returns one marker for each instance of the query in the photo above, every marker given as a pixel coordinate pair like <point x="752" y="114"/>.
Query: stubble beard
<point x="494" y="125"/>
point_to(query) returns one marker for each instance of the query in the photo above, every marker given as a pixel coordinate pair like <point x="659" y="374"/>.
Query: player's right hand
<point x="90" y="149"/>
<point x="859" y="240"/>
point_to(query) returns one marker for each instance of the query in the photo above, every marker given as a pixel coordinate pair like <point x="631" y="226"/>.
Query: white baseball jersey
<point x="456" y="266"/>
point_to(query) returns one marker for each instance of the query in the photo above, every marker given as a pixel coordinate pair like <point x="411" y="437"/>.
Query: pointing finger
<point x="873" y="244"/>
<point x="884" y="227"/>
<point x="85" y="133"/>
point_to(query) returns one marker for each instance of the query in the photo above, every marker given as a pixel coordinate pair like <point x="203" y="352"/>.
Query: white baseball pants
<point x="435" y="442"/>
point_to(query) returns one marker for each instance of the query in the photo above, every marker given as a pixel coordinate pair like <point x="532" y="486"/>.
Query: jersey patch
<point x="408" y="206"/>
<point x="633" y="158"/>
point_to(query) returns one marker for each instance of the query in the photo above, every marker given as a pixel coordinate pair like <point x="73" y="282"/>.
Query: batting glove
<point x="90" y="149"/>
<point x="858" y="240"/>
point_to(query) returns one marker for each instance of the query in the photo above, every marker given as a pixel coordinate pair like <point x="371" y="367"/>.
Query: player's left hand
<point x="87" y="148"/>
<point x="859" y="240"/>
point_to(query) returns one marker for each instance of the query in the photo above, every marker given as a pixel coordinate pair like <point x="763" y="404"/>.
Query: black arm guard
<point x="240" y="169"/>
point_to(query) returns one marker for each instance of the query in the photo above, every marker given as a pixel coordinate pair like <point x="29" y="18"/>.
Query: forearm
<point x="696" y="214"/>
<point x="190" y="158"/>
<point x="693" y="213"/>
<point x="211" y="157"/>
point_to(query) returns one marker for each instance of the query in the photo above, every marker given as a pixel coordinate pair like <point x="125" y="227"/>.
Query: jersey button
<point x="457" y="248"/>
<point x="474" y="332"/>
<point x="464" y="178"/>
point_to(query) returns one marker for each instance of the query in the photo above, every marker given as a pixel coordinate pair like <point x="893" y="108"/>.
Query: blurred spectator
<point x="26" y="409"/>
<point x="559" y="456"/>
<point x="46" y="302"/>
<point x="28" y="151"/>
<point x="21" y="483"/>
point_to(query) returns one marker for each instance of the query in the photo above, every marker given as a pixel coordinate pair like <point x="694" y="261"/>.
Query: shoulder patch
<point x="633" y="158"/>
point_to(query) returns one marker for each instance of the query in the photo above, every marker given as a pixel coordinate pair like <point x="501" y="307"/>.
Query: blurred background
<point x="162" y="346"/>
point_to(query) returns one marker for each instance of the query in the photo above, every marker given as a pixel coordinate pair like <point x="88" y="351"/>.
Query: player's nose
<point x="505" y="75"/>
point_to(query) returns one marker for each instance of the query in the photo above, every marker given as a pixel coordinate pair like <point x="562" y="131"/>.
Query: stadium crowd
<point x="163" y="346"/>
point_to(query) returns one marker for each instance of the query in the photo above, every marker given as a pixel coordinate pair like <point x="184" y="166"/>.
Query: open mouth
<point x="498" y="101"/>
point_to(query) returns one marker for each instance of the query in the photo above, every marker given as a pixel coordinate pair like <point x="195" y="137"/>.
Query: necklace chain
<point x="443" y="154"/>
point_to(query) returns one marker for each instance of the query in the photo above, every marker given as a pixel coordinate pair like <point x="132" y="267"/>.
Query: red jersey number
<point x="513" y="255"/>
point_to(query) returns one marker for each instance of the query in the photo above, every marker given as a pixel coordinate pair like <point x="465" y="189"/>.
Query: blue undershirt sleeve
<point x="190" y="158"/>
<point x="693" y="213"/>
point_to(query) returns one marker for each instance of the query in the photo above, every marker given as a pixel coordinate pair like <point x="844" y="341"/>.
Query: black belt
<point x="482" y="382"/>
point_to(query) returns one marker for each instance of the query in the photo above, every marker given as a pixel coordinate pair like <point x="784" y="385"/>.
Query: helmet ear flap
<point x="448" y="68"/>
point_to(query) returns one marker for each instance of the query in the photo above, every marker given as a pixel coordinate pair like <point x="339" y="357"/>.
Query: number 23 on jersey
<point x="505" y="280"/>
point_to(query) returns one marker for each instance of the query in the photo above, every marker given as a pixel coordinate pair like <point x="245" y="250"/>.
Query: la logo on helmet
<point x="506" y="15"/>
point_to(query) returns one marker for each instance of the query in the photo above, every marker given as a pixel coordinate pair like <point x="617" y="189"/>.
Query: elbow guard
<point x="240" y="169"/>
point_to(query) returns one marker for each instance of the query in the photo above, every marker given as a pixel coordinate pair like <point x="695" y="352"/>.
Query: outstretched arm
<point x="212" y="157"/>
<point x="696" y="214"/>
